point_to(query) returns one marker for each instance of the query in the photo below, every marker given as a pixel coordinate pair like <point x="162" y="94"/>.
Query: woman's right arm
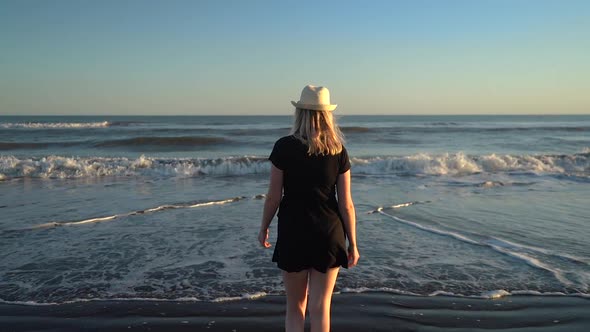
<point x="346" y="207"/>
<point x="271" y="203"/>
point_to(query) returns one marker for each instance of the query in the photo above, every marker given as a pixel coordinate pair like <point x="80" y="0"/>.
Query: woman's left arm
<point x="271" y="203"/>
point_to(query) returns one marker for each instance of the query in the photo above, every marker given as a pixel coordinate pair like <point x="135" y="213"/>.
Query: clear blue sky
<point x="253" y="57"/>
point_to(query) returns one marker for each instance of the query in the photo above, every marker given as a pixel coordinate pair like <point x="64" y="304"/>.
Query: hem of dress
<point x="299" y="269"/>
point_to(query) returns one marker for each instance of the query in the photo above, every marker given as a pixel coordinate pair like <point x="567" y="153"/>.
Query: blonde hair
<point x="318" y="131"/>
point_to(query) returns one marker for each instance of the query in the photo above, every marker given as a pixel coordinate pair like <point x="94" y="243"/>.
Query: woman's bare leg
<point x="321" y="286"/>
<point x="296" y="288"/>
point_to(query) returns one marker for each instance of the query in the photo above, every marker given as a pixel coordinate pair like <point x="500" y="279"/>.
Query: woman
<point x="309" y="169"/>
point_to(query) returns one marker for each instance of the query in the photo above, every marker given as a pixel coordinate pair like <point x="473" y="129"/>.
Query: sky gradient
<point x="254" y="57"/>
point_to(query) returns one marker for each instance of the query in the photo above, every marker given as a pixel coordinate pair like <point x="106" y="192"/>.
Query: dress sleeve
<point x="344" y="164"/>
<point x="277" y="156"/>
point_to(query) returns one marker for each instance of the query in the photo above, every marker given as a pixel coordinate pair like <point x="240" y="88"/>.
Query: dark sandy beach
<point x="350" y="312"/>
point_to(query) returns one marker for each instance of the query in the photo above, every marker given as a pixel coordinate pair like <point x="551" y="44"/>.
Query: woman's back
<point x="305" y="174"/>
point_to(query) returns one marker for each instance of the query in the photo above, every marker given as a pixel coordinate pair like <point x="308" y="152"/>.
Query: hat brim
<point x="314" y="107"/>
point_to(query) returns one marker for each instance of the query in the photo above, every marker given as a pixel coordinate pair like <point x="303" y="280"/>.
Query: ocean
<point x="168" y="207"/>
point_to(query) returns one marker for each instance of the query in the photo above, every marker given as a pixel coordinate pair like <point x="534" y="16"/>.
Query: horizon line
<point x="372" y="114"/>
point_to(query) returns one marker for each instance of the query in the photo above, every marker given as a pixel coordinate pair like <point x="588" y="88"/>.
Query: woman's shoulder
<point x="285" y="140"/>
<point x="344" y="151"/>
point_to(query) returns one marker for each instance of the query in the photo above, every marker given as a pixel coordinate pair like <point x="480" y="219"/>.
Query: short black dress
<point x="310" y="230"/>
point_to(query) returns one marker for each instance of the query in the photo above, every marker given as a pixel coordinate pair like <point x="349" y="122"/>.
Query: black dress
<point x="310" y="230"/>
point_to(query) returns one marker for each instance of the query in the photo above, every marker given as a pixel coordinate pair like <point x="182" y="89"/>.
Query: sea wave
<point x="58" y="125"/>
<point x="356" y="129"/>
<point x="450" y="127"/>
<point x="462" y="164"/>
<point x="533" y="256"/>
<point x="34" y="145"/>
<point x="159" y="208"/>
<point x="59" y="167"/>
<point x="396" y="206"/>
<point x="151" y="142"/>
<point x="457" y="128"/>
<point x="492" y="294"/>
<point x="162" y="141"/>
<point x="419" y="164"/>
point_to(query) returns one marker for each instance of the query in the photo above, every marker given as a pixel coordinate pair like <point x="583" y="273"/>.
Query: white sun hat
<point x="315" y="98"/>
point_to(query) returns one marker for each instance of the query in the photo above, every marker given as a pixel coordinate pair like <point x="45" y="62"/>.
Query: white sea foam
<point x="431" y="229"/>
<point x="491" y="184"/>
<point x="495" y="294"/>
<point x="421" y="164"/>
<point x="377" y="289"/>
<point x="78" y="300"/>
<point x="532" y="261"/>
<point x="442" y="293"/>
<point x="492" y="294"/>
<point x="253" y="296"/>
<point x="461" y="164"/>
<point x="149" y="210"/>
<point x="396" y="206"/>
<point x="55" y="125"/>
<point x="503" y="242"/>
<point x="558" y="273"/>
<point x="58" y="167"/>
<point x="531" y="292"/>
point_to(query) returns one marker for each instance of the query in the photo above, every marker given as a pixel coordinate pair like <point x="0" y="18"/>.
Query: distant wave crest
<point x="55" y="125"/>
<point x="154" y="143"/>
<point x="419" y="164"/>
<point x="357" y="130"/>
<point x="33" y="145"/>
<point x="163" y="141"/>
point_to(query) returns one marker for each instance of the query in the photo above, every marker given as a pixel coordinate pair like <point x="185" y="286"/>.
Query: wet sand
<point x="350" y="312"/>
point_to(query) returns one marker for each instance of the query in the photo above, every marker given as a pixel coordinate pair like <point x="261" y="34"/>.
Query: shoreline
<point x="371" y="311"/>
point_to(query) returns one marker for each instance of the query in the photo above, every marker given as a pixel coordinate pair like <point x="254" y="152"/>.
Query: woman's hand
<point x="353" y="256"/>
<point x="263" y="238"/>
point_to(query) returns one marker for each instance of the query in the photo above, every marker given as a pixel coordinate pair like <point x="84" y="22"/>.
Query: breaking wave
<point x="83" y="167"/>
<point x="419" y="164"/>
<point x="462" y="164"/>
